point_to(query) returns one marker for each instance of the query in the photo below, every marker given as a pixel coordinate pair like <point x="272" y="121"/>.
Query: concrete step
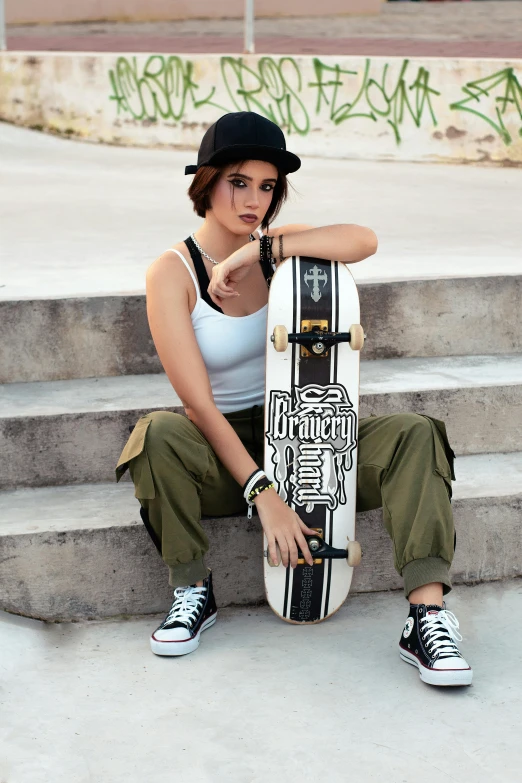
<point x="98" y="336"/>
<point x="79" y="552"/>
<point x="66" y="432"/>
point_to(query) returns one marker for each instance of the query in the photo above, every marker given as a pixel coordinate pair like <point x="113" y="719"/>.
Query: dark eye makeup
<point x="240" y="183"/>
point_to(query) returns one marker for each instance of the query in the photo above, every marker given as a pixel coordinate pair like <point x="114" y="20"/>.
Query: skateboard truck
<point x="323" y="551"/>
<point x="315" y="338"/>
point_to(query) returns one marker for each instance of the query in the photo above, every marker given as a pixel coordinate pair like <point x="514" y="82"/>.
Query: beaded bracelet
<point x="263" y="484"/>
<point x="251" y="481"/>
<point x="259" y="484"/>
<point x="281" y="256"/>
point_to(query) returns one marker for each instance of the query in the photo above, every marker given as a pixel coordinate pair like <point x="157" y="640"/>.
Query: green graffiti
<point x="376" y="98"/>
<point x="164" y="89"/>
<point x="167" y="88"/>
<point x="329" y="80"/>
<point x="271" y="89"/>
<point x="505" y="90"/>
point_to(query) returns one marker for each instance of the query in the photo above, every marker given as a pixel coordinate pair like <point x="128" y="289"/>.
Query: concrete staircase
<point x="76" y="372"/>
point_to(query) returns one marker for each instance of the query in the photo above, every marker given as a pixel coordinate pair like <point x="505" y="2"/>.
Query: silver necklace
<point x="252" y="237"/>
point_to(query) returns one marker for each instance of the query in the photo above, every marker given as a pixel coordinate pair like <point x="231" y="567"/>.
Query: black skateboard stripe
<point x="308" y="582"/>
<point x="334" y="354"/>
<point x="292" y="381"/>
<point x="336" y="325"/>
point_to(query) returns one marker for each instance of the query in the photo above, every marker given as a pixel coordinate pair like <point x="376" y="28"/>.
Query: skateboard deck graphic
<point x="311" y="423"/>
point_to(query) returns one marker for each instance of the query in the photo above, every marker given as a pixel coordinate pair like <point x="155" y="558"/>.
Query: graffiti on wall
<point x="379" y="98"/>
<point x="492" y="98"/>
<point x="165" y="87"/>
<point x="162" y="88"/>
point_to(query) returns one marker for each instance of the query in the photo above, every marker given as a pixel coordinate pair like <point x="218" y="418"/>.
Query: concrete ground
<point x="263" y="700"/>
<point x="80" y="218"/>
<point x="483" y="29"/>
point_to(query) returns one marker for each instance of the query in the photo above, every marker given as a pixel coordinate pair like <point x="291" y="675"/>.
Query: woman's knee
<point x="164" y="427"/>
<point x="414" y="425"/>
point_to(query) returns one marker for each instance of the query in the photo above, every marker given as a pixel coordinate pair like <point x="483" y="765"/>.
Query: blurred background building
<point x="36" y="11"/>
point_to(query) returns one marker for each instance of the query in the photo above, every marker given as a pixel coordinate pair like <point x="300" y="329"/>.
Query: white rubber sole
<point x="438" y="676"/>
<point x="184" y="647"/>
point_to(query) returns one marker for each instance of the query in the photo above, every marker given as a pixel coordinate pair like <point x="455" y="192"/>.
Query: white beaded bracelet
<point x="252" y="481"/>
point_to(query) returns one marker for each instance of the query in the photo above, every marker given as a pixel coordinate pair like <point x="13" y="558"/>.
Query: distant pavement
<point x="485" y="29"/>
<point x="81" y="219"/>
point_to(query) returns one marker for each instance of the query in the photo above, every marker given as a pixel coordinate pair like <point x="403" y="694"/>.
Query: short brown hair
<point x="206" y="177"/>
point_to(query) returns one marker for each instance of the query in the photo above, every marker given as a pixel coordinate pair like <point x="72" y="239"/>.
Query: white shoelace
<point x="186" y="606"/>
<point x="442" y="624"/>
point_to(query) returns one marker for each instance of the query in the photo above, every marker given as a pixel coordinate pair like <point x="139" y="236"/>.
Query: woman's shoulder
<point x="165" y="264"/>
<point x="169" y="271"/>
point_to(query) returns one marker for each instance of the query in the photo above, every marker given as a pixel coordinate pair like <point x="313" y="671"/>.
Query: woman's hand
<point x="227" y="274"/>
<point x="283" y="528"/>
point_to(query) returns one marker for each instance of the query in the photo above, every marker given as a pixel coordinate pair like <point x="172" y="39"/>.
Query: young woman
<point x="207" y="307"/>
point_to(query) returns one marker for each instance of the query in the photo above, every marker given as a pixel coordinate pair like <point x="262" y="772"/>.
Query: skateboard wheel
<point x="280" y="338"/>
<point x="354" y="553"/>
<point x="356" y="337"/>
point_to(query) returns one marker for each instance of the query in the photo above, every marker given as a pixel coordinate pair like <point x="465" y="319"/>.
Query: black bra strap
<point x="203" y="278"/>
<point x="202" y="274"/>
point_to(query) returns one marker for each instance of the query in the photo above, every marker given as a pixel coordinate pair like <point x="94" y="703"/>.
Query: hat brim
<point x="284" y="160"/>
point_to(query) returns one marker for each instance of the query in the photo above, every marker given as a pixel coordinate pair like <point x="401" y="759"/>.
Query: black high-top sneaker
<point x="428" y="641"/>
<point x="193" y="610"/>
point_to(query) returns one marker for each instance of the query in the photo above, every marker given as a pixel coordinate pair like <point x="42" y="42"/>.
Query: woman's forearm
<point x="225" y="442"/>
<point x="345" y="242"/>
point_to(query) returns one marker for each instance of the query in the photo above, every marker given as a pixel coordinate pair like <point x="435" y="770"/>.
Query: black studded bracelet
<point x="265" y="257"/>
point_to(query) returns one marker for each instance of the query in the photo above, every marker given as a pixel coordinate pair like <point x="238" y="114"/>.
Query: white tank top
<point x="233" y="349"/>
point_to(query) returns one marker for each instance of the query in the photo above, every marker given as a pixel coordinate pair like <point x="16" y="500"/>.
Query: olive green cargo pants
<point x="405" y="466"/>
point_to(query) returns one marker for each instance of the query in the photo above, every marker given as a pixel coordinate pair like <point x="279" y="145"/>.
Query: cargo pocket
<point x="135" y="450"/>
<point x="195" y="457"/>
<point x="444" y="454"/>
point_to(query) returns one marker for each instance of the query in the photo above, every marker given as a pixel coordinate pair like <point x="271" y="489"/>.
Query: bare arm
<point x="345" y="243"/>
<point x="173" y="334"/>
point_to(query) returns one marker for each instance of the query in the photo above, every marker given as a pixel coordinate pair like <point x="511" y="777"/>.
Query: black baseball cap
<point x="244" y="135"/>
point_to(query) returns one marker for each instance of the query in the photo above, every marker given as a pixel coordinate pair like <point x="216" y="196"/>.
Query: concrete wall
<point x="31" y="11"/>
<point x="53" y="339"/>
<point x="63" y="572"/>
<point x="381" y="108"/>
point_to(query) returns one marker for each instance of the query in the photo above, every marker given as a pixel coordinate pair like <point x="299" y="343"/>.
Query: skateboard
<point x="313" y="346"/>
